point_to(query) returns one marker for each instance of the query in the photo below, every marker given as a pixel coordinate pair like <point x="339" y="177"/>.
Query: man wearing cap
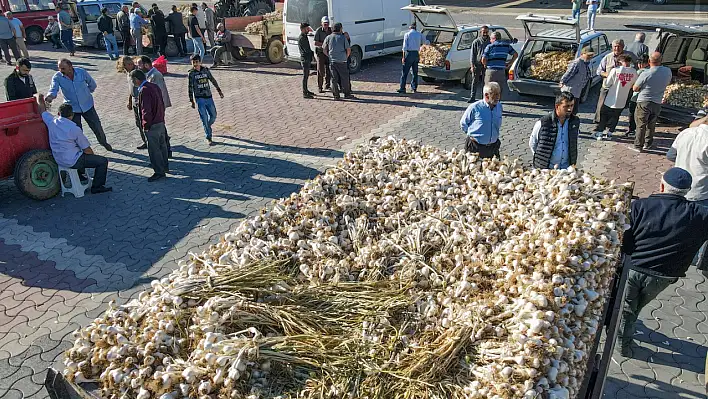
<point x="306" y="54"/>
<point x="577" y="76"/>
<point x="412" y="41"/>
<point x="324" y="75"/>
<point x="666" y="231"/>
<point x="338" y="49"/>
<point x="476" y="67"/>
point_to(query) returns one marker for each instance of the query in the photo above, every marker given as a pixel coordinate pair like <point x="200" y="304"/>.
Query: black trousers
<point x="126" y="41"/>
<point x="477" y="80"/>
<point x="94" y="123"/>
<point x="341" y="79"/>
<point x="609" y="117"/>
<point x="632" y="122"/>
<point x="157" y="148"/>
<point x="484" y="150"/>
<point x="160" y="45"/>
<point x="181" y="43"/>
<point x="96" y="162"/>
<point x="305" y="76"/>
<point x="54" y="40"/>
<point x="9" y="44"/>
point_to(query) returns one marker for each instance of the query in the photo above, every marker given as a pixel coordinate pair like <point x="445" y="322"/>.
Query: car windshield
<point x="439" y="36"/>
<point x="310" y="11"/>
<point x="40" y="5"/>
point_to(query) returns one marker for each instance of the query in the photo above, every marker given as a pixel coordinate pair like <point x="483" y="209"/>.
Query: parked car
<point x="680" y="46"/>
<point x="375" y="27"/>
<point x="560" y="34"/>
<point x="438" y="27"/>
<point x="33" y="14"/>
<point x="85" y="16"/>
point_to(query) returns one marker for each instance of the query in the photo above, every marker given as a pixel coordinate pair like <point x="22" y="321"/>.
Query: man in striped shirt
<point x="494" y="61"/>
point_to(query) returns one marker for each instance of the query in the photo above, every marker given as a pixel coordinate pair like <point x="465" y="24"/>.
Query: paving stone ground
<point x="63" y="260"/>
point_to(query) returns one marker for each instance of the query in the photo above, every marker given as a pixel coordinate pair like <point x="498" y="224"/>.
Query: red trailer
<point x="24" y="150"/>
<point x="33" y="14"/>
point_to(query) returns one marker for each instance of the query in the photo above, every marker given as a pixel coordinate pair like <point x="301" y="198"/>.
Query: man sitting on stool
<point x="71" y="148"/>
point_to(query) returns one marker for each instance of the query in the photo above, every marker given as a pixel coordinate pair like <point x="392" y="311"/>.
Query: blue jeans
<point x="207" y="113"/>
<point x="592" y="12"/>
<point x="111" y="45"/>
<point x="198" y="47"/>
<point x="67" y="39"/>
<point x="576" y="13"/>
<point x="410" y="62"/>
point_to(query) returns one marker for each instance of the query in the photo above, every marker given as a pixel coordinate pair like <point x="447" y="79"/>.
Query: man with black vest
<point x="554" y="140"/>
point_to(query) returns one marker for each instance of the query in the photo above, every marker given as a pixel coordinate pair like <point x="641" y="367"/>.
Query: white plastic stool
<point x="76" y="188"/>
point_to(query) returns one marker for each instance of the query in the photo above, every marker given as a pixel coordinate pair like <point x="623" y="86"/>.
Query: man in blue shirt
<point x="412" y="41"/>
<point x="554" y="140"/>
<point x="136" y="29"/>
<point x="481" y="123"/>
<point x="77" y="87"/>
<point x="494" y="61"/>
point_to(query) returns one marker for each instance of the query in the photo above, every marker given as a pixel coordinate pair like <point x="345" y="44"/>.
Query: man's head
<point x="625" y="60"/>
<point x="138" y="77"/>
<point x="587" y="53"/>
<point x="50" y="19"/>
<point x="413" y="26"/>
<point x="196" y="61"/>
<point x="154" y="6"/>
<point x="58" y="7"/>
<point x="124" y="8"/>
<point x="173" y="8"/>
<point x="144" y="63"/>
<point x="65" y="66"/>
<point x="304" y="27"/>
<point x="496" y="36"/>
<point x="194" y="10"/>
<point x="136" y="4"/>
<point x="127" y="63"/>
<point x="639" y="37"/>
<point x="676" y="181"/>
<point x="643" y="61"/>
<point x="8" y="14"/>
<point x="325" y="22"/>
<point x="65" y="111"/>
<point x="655" y="59"/>
<point x="492" y="93"/>
<point x="104" y="11"/>
<point x="220" y="27"/>
<point x="484" y="31"/>
<point x="23" y="66"/>
<point x="204" y="6"/>
<point x="337" y="27"/>
<point x="565" y="101"/>
<point x="617" y="46"/>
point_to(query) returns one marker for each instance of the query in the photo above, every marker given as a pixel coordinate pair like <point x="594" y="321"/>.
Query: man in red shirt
<point x="152" y="114"/>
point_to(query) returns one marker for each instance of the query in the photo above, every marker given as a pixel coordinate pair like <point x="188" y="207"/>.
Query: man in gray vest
<point x="554" y="140"/>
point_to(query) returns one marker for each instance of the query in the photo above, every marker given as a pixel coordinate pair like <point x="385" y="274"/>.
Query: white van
<point x="376" y="27"/>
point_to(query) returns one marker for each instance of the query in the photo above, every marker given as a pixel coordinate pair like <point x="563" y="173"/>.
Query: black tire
<point x="257" y="7"/>
<point x="660" y="2"/>
<point x="100" y="43"/>
<point x="467" y="82"/>
<point x="275" y="52"/>
<point x="428" y="79"/>
<point x="171" y="50"/>
<point x="37" y="175"/>
<point x="355" y="60"/>
<point x="35" y="35"/>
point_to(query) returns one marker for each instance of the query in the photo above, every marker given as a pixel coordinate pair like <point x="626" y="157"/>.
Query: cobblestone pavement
<point x="63" y="260"/>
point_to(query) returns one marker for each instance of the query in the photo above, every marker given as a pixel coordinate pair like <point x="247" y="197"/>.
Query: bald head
<point x="65" y="67"/>
<point x="639" y="37"/>
<point x="655" y="59"/>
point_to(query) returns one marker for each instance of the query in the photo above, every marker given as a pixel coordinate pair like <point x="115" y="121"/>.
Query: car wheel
<point x="37" y="175"/>
<point x="34" y="35"/>
<point x="355" y="60"/>
<point x="274" y="51"/>
<point x="467" y="82"/>
<point x="258" y="7"/>
<point x="660" y="2"/>
<point x="100" y="43"/>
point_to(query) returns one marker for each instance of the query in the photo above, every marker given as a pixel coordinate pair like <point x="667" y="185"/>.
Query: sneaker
<point x="211" y="143"/>
<point x="631" y="133"/>
<point x="350" y="97"/>
<point x="321" y="90"/>
<point x="337" y="98"/>
<point x="608" y="136"/>
<point x="308" y="96"/>
<point x="108" y="147"/>
<point x="415" y="90"/>
<point x="209" y="140"/>
<point x="155" y="177"/>
<point x="399" y="91"/>
<point x="648" y="147"/>
<point x="102" y="189"/>
<point x="328" y="88"/>
<point x="310" y="93"/>
<point x="597" y="135"/>
<point x="142" y="146"/>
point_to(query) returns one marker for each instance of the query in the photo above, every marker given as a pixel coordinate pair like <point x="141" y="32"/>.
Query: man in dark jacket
<point x="667" y="230"/>
<point x="306" y="56"/>
<point x="123" y="25"/>
<point x="324" y="74"/>
<point x="159" y="30"/>
<point x="554" y="140"/>
<point x="199" y="92"/>
<point x="152" y="112"/>
<point x="105" y="25"/>
<point x="178" y="30"/>
<point x="20" y="84"/>
<point x="476" y="67"/>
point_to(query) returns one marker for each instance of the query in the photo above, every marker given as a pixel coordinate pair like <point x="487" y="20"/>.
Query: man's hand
<point x="221" y="94"/>
<point x="129" y="106"/>
<point x="48" y="98"/>
<point x="192" y="104"/>
<point x="403" y="60"/>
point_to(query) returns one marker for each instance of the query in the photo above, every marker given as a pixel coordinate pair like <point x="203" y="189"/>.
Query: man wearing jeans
<point x="77" y="87"/>
<point x="66" y="32"/>
<point x="412" y="42"/>
<point x="195" y="32"/>
<point x="200" y="92"/>
<point x="666" y="231"/>
<point x="71" y="148"/>
<point x="105" y="25"/>
<point x="651" y="86"/>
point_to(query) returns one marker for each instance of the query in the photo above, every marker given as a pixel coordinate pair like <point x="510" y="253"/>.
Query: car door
<point x="88" y="15"/>
<point x="460" y="57"/>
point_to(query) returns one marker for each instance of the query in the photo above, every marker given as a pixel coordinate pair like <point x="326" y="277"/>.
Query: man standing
<point x="152" y="113"/>
<point x="136" y="29"/>
<point x="222" y="44"/>
<point x="592" y="13"/>
<point x="638" y="48"/>
<point x="66" y="33"/>
<point x="210" y="22"/>
<point x="494" y="61"/>
<point x="7" y="39"/>
<point x="154" y="76"/>
<point x="200" y="92"/>
<point x="666" y="231"/>
<point x="178" y="30"/>
<point x="20" y="33"/>
<point x="412" y="41"/>
<point x="77" y="87"/>
<point x="608" y="62"/>
<point x="20" y="84"/>
<point x="476" y="67"/>
<point x="642" y="66"/>
<point x="481" y="123"/>
<point x="195" y="33"/>
<point x="123" y="22"/>
<point x="651" y="86"/>
<point x="71" y="148"/>
<point x="324" y="74"/>
<point x="577" y="76"/>
<point x="577" y="4"/>
<point x="554" y="139"/>
<point x="105" y="25"/>
<point x="159" y="30"/>
<point x="128" y="67"/>
<point x="338" y="49"/>
<point x="52" y="32"/>
<point x="619" y="85"/>
<point x="306" y="54"/>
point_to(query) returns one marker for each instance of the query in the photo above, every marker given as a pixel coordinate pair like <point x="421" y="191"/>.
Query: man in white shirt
<point x="618" y="84"/>
<point x="71" y="149"/>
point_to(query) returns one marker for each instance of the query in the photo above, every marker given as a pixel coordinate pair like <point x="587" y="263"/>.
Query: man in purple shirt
<point x="152" y="113"/>
<point x="71" y="149"/>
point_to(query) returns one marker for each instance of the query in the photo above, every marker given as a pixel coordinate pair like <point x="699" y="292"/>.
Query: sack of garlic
<point x="404" y="271"/>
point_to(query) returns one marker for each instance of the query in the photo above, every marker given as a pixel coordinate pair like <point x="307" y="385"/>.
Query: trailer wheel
<point x="37" y="175"/>
<point x="467" y="83"/>
<point x="274" y="51"/>
<point x="35" y="35"/>
<point x="100" y="43"/>
<point x="257" y="7"/>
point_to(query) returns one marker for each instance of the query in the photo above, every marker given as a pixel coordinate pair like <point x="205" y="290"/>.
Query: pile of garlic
<point x="505" y="273"/>
<point x="259" y="27"/>
<point x="434" y="54"/>
<point x="550" y="66"/>
<point x="691" y="94"/>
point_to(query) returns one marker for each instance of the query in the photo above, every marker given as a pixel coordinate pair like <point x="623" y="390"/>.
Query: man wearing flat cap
<point x="666" y="232"/>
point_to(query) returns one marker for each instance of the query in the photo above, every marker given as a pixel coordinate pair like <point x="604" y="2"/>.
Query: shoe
<point x="108" y="147"/>
<point x="308" y="96"/>
<point x="399" y="91"/>
<point x="211" y="143"/>
<point x="9" y="63"/>
<point x="648" y="147"/>
<point x="209" y="140"/>
<point x="607" y="136"/>
<point x="321" y="90"/>
<point x="633" y="148"/>
<point x="310" y="93"/>
<point x="142" y="146"/>
<point x="102" y="189"/>
<point x="631" y="133"/>
<point x="597" y="135"/>
<point x="350" y="97"/>
<point x="415" y="90"/>
<point x="337" y="98"/>
<point x="83" y="179"/>
<point x="155" y="177"/>
<point x="72" y="54"/>
<point x="328" y="88"/>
